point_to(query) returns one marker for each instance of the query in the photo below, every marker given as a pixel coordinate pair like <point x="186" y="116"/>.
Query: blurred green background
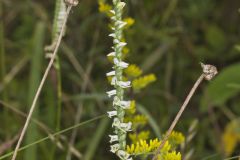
<point x="169" y="38"/>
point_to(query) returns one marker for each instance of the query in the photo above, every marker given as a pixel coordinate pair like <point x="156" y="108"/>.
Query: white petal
<point x="115" y="148"/>
<point x="112" y="73"/>
<point x="112" y="11"/>
<point x="116" y="41"/>
<point x="112" y="54"/>
<point x="112" y="113"/>
<point x="120" y="63"/>
<point x="111" y="93"/>
<point x="126" y="126"/>
<point x="116" y="122"/>
<point x="123" y="104"/>
<point x="121" y="24"/>
<point x="113" y="138"/>
<point x="123" y="64"/>
<point x="122" y="44"/>
<point x="112" y="35"/>
<point x="123" y="154"/>
<point x="121" y="5"/>
<point x="123" y="84"/>
<point x="113" y="18"/>
<point x="114" y="80"/>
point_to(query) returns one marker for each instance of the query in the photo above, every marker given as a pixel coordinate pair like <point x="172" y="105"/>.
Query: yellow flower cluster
<point x="143" y="147"/>
<point x="143" y="135"/>
<point x="104" y="8"/>
<point x="130" y="21"/>
<point x="231" y="137"/>
<point x="133" y="71"/>
<point x="170" y="156"/>
<point x="142" y="82"/>
<point x="176" y="138"/>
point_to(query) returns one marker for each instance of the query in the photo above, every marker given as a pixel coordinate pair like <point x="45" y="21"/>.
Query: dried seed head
<point x="71" y="2"/>
<point x="209" y="71"/>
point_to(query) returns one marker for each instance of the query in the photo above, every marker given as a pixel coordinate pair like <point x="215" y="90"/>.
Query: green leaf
<point x="222" y="88"/>
<point x="215" y="37"/>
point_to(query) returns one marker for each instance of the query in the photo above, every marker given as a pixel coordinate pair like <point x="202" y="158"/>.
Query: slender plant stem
<point x="55" y="134"/>
<point x="41" y="85"/>
<point x="60" y="9"/>
<point x="197" y="83"/>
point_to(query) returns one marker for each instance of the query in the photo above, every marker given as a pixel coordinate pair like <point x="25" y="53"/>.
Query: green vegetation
<point x="163" y="43"/>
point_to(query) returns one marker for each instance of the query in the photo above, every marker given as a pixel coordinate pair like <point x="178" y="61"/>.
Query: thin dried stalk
<point x="41" y="84"/>
<point x="209" y="72"/>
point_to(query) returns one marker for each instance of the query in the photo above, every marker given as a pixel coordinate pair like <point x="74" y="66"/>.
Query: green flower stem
<point x="120" y="91"/>
<point x="60" y="11"/>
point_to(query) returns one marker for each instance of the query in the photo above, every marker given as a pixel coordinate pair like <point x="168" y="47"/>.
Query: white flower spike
<point x="117" y="81"/>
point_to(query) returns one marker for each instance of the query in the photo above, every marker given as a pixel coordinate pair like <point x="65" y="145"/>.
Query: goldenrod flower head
<point x="142" y="147"/>
<point x="133" y="71"/>
<point x="130" y="21"/>
<point x="125" y="51"/>
<point x="170" y="156"/>
<point x="105" y="8"/>
<point x="229" y="140"/>
<point x="142" y="82"/>
<point x="176" y="138"/>
<point x="144" y="135"/>
<point x="231" y="137"/>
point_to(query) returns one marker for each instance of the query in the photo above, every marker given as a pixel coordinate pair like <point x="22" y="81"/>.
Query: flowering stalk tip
<point x="119" y="104"/>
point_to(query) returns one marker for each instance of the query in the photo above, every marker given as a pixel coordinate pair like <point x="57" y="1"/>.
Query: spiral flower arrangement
<point x="118" y="139"/>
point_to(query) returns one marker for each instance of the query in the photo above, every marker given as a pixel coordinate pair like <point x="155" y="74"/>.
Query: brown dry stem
<point x="209" y="71"/>
<point x="41" y="85"/>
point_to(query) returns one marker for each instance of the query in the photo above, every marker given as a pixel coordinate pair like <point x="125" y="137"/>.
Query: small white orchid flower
<point x="112" y="73"/>
<point x="111" y="54"/>
<point x="112" y="113"/>
<point x="123" y="154"/>
<point x="113" y="138"/>
<point x="120" y="63"/>
<point x="114" y="148"/>
<point x="111" y="93"/>
<point x="123" y="84"/>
